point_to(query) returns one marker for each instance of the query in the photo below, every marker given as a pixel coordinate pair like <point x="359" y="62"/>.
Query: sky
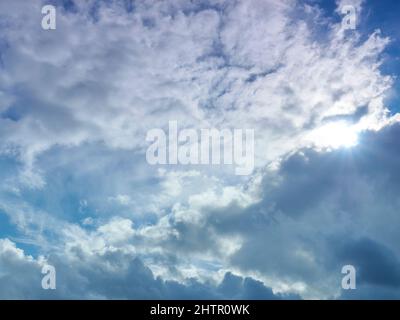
<point x="77" y="191"/>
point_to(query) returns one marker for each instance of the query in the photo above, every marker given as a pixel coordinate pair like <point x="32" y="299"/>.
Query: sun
<point x="335" y="135"/>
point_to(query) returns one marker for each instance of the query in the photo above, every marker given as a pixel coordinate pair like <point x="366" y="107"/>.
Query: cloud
<point x="111" y="274"/>
<point x="326" y="210"/>
<point x="76" y="104"/>
<point x="14" y="279"/>
<point x="318" y="211"/>
<point x="248" y="64"/>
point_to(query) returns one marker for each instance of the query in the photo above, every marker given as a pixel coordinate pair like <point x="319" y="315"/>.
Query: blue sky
<point x="77" y="191"/>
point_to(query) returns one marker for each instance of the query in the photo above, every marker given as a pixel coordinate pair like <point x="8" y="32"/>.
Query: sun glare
<point x="335" y="135"/>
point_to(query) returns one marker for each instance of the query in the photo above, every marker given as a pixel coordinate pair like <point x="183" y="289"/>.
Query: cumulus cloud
<point x="111" y="274"/>
<point x="75" y="107"/>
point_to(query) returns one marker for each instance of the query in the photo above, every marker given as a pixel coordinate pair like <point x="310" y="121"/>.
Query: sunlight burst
<point x="335" y="135"/>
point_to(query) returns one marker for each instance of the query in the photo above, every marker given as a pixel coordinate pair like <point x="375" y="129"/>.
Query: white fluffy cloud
<point x="108" y="75"/>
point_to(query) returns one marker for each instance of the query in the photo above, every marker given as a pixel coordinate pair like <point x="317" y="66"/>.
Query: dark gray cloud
<point x="112" y="275"/>
<point x="339" y="207"/>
